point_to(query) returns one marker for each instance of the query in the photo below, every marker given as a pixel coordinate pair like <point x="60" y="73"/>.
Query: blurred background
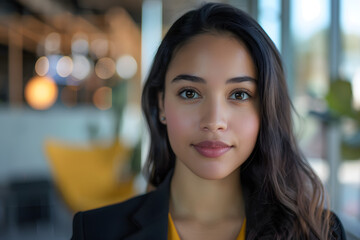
<point x="71" y="130"/>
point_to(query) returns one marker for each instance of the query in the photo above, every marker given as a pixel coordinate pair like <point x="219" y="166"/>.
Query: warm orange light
<point x="41" y="92"/>
<point x="102" y="98"/>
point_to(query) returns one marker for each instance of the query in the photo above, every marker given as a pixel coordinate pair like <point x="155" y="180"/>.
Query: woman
<point x="223" y="158"/>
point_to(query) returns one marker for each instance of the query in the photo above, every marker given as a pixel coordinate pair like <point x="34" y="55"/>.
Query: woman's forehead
<point x="212" y="55"/>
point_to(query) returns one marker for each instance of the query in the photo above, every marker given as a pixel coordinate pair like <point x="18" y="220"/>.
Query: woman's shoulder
<point x="105" y="221"/>
<point x="138" y="211"/>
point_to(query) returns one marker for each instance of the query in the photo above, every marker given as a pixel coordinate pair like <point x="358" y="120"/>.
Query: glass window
<point x="269" y="19"/>
<point x="350" y="71"/>
<point x="309" y="24"/>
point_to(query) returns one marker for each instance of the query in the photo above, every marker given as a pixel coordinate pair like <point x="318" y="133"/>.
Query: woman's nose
<point x="213" y="116"/>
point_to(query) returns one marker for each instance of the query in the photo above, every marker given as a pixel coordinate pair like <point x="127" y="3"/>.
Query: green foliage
<point x="339" y="100"/>
<point x="350" y="152"/>
<point x="135" y="159"/>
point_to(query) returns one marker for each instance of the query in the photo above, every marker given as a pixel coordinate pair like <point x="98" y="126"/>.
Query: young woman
<point x="223" y="158"/>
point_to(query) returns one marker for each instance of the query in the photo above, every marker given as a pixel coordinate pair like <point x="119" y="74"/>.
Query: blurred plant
<point x="339" y="100"/>
<point x="119" y="101"/>
<point x="93" y="130"/>
<point x="135" y="159"/>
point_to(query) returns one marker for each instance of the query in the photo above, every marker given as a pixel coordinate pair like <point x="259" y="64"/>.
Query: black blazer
<point x="142" y="217"/>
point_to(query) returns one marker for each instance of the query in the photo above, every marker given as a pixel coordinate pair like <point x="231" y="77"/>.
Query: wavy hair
<point x="284" y="199"/>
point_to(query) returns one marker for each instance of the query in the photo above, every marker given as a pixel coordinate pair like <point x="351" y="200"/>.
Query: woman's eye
<point x="189" y="94"/>
<point x="241" y="95"/>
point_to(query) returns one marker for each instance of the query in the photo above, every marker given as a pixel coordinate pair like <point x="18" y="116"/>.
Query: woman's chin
<point x="212" y="173"/>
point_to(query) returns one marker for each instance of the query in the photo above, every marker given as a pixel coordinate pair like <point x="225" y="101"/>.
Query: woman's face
<point x="210" y="104"/>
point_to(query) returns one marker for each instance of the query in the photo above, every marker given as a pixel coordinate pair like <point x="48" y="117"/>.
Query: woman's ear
<point x="162" y="116"/>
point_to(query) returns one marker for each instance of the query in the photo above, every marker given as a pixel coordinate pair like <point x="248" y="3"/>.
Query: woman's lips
<point x="212" y="149"/>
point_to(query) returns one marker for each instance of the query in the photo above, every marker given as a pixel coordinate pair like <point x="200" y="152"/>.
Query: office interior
<point x="72" y="135"/>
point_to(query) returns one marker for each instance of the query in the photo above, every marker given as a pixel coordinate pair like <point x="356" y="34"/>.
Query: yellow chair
<point x="90" y="176"/>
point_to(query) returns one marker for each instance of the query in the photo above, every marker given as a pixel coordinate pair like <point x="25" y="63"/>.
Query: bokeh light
<point x="126" y="66"/>
<point x="309" y="17"/>
<point x="53" y="61"/>
<point x="64" y="66"/>
<point x="42" y="66"/>
<point x="310" y="14"/>
<point x="53" y="43"/>
<point x="79" y="44"/>
<point x="41" y="92"/>
<point x="102" y="98"/>
<point x="82" y="67"/>
<point x="105" y="68"/>
<point x="54" y="68"/>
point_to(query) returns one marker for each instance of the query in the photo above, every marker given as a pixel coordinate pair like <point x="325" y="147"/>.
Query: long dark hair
<point x="284" y="198"/>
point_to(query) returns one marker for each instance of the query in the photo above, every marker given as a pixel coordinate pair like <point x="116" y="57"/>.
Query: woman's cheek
<point x="177" y="120"/>
<point x="180" y="123"/>
<point x="250" y="126"/>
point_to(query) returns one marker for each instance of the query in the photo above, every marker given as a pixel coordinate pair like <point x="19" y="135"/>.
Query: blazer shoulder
<point x="123" y="207"/>
<point x="137" y="218"/>
<point x="109" y="222"/>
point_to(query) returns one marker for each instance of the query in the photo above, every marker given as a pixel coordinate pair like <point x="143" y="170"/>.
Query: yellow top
<point x="173" y="235"/>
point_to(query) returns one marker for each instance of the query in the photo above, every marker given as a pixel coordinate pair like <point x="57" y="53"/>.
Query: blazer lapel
<point x="152" y="217"/>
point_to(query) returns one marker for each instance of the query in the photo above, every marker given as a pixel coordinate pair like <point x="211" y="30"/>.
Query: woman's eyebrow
<point x="241" y="79"/>
<point x="197" y="79"/>
<point x="187" y="77"/>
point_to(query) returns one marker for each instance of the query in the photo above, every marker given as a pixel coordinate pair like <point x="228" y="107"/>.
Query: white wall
<point x="23" y="132"/>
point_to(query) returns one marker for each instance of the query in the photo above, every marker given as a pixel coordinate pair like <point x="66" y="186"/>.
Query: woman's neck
<point x="207" y="201"/>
